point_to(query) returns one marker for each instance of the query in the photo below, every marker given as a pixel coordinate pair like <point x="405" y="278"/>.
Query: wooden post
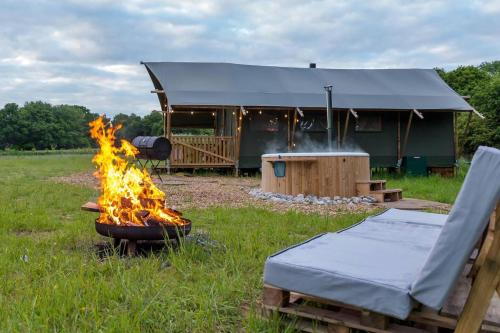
<point x="399" y="136"/>
<point x="375" y="320"/>
<point x="455" y="148"/>
<point x="275" y="296"/>
<point x="294" y="127"/>
<point x="289" y="133"/>
<point x="346" y="126"/>
<point x="169" y="123"/>
<point x="338" y="129"/>
<point x="223" y="123"/>
<point x="485" y="284"/>
<point x="238" y="121"/>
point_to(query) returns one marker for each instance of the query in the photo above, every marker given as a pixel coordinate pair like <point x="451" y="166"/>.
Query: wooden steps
<point x="395" y="194"/>
<point x="377" y="189"/>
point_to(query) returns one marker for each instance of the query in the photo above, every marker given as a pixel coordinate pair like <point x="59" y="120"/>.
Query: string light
<point x="213" y="114"/>
<point x="286" y="116"/>
<point x="260" y="111"/>
<point x="192" y="112"/>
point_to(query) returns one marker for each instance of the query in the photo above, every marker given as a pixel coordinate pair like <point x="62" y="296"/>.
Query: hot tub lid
<point x="319" y="154"/>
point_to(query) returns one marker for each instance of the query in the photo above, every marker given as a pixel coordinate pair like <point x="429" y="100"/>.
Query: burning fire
<point x="129" y="196"/>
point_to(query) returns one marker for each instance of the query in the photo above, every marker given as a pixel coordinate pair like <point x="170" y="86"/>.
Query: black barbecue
<point x="153" y="149"/>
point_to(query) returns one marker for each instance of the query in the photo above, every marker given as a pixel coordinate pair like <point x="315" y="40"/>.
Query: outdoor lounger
<point x="398" y="261"/>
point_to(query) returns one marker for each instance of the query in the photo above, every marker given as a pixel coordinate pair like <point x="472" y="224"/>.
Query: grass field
<point x="52" y="279"/>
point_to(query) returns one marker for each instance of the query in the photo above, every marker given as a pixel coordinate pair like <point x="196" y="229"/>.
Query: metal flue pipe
<point x="329" y="117"/>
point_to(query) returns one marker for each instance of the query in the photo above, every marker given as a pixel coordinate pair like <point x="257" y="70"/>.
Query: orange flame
<point x="129" y="196"/>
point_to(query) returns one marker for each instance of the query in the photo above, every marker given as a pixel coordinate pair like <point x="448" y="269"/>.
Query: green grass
<point x="434" y="187"/>
<point x="65" y="287"/>
<point x="14" y="152"/>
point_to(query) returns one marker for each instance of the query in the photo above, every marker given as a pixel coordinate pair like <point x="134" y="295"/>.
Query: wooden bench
<point x="469" y="308"/>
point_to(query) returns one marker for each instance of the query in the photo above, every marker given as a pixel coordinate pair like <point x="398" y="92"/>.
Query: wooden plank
<point x="372" y="319"/>
<point x="90" y="207"/>
<point x="374" y="181"/>
<point x="486" y="244"/>
<point x="275" y="297"/>
<point x="292" y="159"/>
<point x="341" y="318"/>
<point x="485" y="284"/>
<point x="334" y="328"/>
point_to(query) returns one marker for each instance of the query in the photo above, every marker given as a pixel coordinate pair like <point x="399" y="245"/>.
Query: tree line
<point x="481" y="85"/>
<point x="42" y="126"/>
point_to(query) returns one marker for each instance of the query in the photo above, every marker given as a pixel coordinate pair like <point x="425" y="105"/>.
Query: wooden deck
<point x="203" y="151"/>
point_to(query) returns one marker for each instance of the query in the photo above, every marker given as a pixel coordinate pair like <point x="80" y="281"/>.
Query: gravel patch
<point x="185" y="192"/>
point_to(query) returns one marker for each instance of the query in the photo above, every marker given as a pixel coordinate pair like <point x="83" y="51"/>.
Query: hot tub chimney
<point x="312" y="65"/>
<point x="329" y="116"/>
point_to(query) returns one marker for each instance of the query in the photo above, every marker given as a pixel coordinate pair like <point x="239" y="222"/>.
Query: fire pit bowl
<point x="156" y="232"/>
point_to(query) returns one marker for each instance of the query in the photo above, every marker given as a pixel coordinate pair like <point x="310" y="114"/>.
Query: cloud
<point x="88" y="51"/>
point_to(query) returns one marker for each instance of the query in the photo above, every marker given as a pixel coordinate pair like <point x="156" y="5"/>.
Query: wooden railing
<point x="202" y="151"/>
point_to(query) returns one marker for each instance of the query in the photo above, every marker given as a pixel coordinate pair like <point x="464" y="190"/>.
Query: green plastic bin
<point x="415" y="165"/>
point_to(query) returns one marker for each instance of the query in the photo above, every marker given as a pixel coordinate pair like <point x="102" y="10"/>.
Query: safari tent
<point x="389" y="113"/>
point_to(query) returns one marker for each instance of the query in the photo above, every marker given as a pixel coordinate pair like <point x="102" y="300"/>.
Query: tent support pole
<point x="329" y="117"/>
<point x="467" y="124"/>
<point x="399" y="140"/>
<point x="455" y="140"/>
<point x="338" y="129"/>
<point x="165" y="108"/>
<point x="169" y="123"/>
<point x="238" y="130"/>
<point x="346" y="126"/>
<point x="294" y="127"/>
<point x="289" y="132"/>
<point x="407" y="134"/>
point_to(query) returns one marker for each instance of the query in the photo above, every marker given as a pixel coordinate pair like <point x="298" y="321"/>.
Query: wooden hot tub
<point x="321" y="174"/>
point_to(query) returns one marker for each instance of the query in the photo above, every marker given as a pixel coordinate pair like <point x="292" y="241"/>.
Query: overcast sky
<point x="88" y="52"/>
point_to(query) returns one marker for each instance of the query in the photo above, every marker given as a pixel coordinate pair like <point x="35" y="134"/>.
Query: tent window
<point x="369" y="123"/>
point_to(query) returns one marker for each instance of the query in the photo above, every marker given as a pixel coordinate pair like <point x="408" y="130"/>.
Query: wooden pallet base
<point x="311" y="314"/>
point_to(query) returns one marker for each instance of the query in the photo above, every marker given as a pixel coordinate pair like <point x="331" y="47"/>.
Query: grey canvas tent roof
<point x="210" y="84"/>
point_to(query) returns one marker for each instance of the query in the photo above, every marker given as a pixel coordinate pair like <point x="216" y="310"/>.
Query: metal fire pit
<point x="156" y="232"/>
